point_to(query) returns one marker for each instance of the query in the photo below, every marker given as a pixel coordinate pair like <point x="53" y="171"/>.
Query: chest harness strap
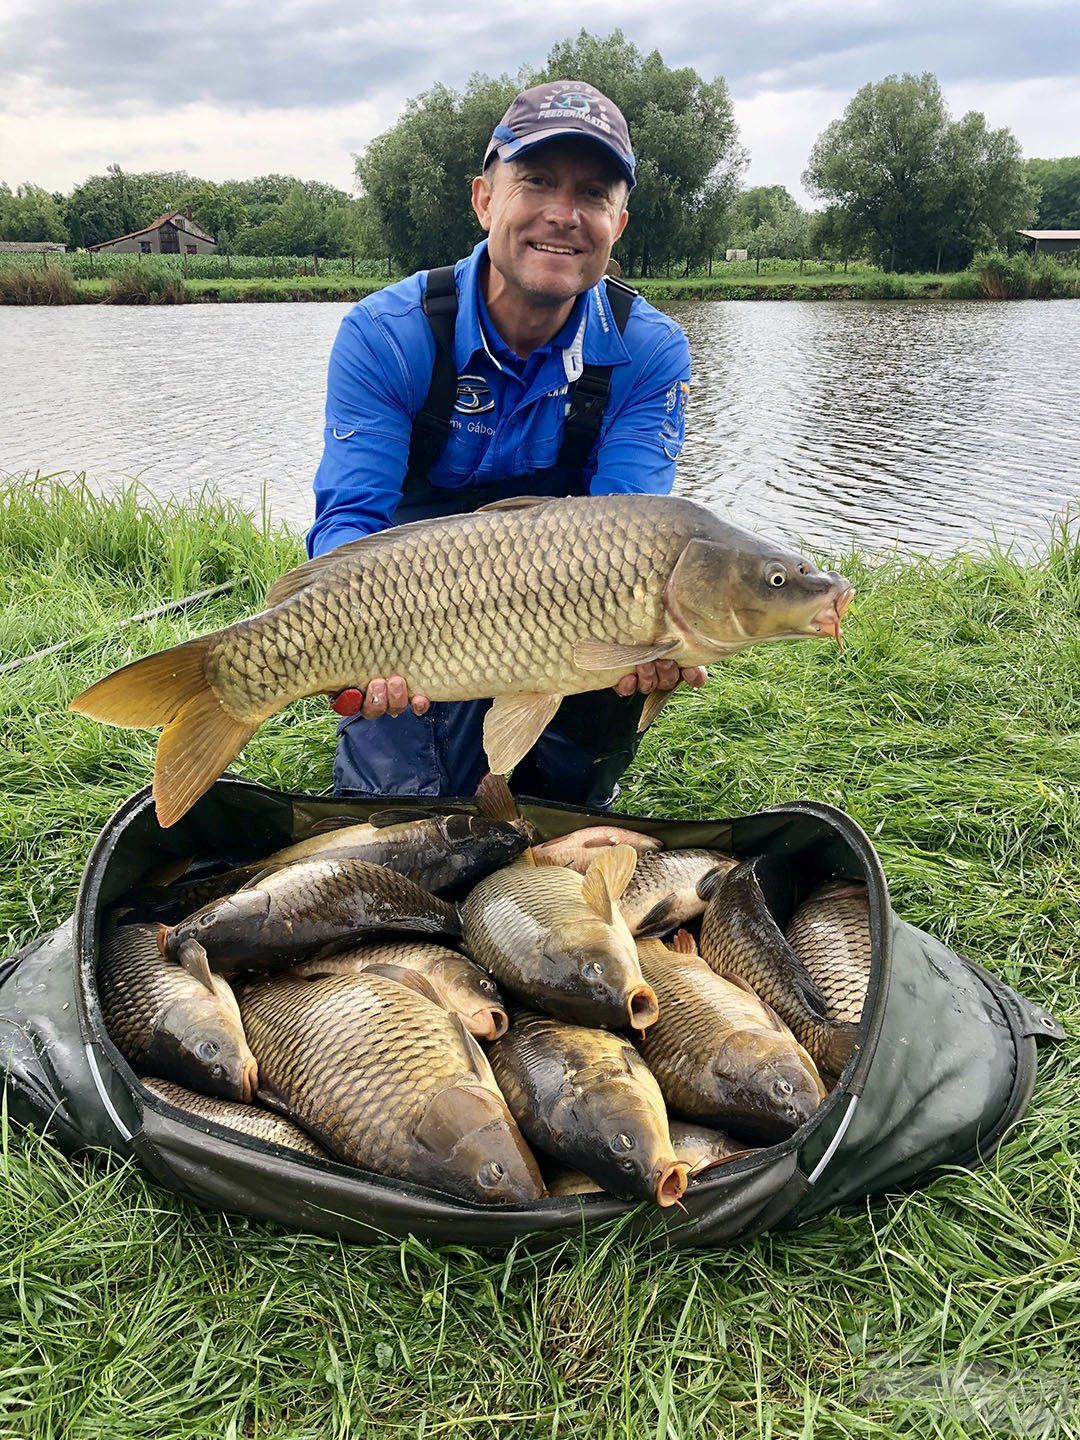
<point x="587" y="396"/>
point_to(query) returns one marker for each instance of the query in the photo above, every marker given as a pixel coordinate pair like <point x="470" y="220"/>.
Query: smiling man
<point x="521" y="370"/>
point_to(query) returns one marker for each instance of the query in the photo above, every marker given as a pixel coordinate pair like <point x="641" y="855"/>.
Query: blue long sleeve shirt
<point x="510" y="413"/>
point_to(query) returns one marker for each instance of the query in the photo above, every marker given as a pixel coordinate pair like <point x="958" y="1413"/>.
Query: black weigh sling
<point x="944" y="1066"/>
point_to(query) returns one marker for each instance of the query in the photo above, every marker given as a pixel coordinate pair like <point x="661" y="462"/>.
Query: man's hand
<point x="388" y="696"/>
<point x="660" y="675"/>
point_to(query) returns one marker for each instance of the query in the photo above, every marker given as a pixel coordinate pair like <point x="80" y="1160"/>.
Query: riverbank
<point x="138" y="283"/>
<point x="947" y="728"/>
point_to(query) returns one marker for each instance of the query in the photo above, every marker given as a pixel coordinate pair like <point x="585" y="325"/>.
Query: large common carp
<point x="388" y="1081"/>
<point x="524" y="602"/>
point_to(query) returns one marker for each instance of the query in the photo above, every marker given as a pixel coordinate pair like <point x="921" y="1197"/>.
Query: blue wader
<point x="593" y="737"/>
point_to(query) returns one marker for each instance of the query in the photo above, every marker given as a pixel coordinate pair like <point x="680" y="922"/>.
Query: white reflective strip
<point x="573" y="364"/>
<point x="91" y="1059"/>
<point x="811" y="1179"/>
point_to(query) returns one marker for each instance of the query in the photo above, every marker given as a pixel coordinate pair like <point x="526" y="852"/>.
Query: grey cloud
<point x="327" y="52"/>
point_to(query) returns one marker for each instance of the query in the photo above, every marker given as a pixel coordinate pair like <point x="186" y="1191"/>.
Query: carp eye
<point x="594" y="970"/>
<point x="490" y="1174"/>
<point x="207" y="1049"/>
<point x="487" y="987"/>
<point x="622" y="1141"/>
<point x="784" y="1087"/>
<point x="776" y="576"/>
<point x="210" y="918"/>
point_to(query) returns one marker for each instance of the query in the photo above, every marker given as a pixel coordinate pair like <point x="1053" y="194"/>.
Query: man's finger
<point x="667" y="674"/>
<point x="420" y="704"/>
<point x="627" y="685"/>
<point x="646" y="678"/>
<point x="347" y="702"/>
<point x="397" y="695"/>
<point x="375" y="700"/>
<point x="695" y="676"/>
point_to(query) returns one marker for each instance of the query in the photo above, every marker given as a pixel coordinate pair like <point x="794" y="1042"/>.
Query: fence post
<point x="757" y="262"/>
<point x="315" y="263"/>
<point x="389" y="272"/>
<point x="352" y="264"/>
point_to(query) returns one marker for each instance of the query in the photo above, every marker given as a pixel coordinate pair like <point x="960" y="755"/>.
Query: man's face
<point x="551" y="218"/>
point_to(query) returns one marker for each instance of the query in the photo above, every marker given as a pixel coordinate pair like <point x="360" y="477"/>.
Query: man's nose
<point x="563" y="208"/>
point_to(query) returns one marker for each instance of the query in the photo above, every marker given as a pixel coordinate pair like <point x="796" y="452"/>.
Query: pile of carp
<point x="331" y="998"/>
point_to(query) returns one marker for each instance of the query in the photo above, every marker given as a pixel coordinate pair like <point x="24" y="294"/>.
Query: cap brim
<point x="514" y="149"/>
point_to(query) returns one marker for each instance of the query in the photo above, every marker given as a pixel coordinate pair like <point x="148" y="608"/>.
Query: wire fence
<point x="86" y="265"/>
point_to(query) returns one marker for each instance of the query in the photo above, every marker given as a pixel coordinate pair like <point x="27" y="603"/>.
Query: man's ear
<point x="621" y="226"/>
<point x="481" y="201"/>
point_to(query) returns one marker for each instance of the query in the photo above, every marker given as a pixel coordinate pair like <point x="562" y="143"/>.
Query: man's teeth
<point x="554" y="249"/>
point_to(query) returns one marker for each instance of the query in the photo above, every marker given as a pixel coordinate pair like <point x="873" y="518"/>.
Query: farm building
<point x="1051" y="242"/>
<point x="174" y="233"/>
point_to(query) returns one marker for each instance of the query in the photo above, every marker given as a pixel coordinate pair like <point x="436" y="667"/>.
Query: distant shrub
<point x="22" y="286"/>
<point x="1023" y="276"/>
<point x="137" y="286"/>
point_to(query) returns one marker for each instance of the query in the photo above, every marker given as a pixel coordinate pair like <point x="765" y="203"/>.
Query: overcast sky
<point x="233" y="89"/>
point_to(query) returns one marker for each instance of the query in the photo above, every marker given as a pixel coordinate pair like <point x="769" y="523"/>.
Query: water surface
<point x="931" y="426"/>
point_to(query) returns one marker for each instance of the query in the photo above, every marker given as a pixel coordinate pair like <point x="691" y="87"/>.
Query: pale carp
<point x="522" y="602"/>
<point x="719" y="1054"/>
<point x="389" y="1082"/>
<point x="557" y="940"/>
<point x="250" y="1120"/>
<point x="702" y="1148"/>
<point x="161" y="1018"/>
<point x="587" y="1098"/>
<point x="580" y="848"/>
<point x="462" y="987"/>
<point x="830" y="933"/>
<point x="740" y="936"/>
<point x="289" y="914"/>
<point x="668" y="888"/>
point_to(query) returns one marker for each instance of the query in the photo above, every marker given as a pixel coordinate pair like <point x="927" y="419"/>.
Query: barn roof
<point x="170" y="215"/>
<point x="1051" y="234"/>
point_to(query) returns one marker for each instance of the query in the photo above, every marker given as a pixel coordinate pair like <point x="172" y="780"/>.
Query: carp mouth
<point x="642" y="1008"/>
<point x="828" y="618"/>
<point x="671" y="1184"/>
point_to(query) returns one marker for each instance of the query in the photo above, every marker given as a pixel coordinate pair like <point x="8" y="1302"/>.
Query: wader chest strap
<point x="431" y="428"/>
<point x="586" y="401"/>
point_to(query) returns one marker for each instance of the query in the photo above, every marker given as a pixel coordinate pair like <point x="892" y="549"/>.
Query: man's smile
<point x="553" y="249"/>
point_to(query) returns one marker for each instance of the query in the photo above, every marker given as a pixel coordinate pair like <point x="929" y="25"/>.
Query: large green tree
<point x="31" y="213"/>
<point x="1058" y="184"/>
<point x="917" y="187"/>
<point x="683" y="130"/>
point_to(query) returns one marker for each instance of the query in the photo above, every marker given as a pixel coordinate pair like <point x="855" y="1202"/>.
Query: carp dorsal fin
<point x="494" y="800"/>
<point x="606" y="879"/>
<point x="515" y="502"/>
<point x="402" y="816"/>
<point x="293" y="581"/>
<point x="683" y="943"/>
<point x="611" y="655"/>
<point x="513" y="725"/>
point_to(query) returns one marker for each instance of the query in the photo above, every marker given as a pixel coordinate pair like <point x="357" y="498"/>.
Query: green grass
<point x="948" y="728"/>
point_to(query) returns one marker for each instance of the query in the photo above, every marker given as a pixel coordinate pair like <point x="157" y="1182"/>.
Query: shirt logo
<point x="473" y="395"/>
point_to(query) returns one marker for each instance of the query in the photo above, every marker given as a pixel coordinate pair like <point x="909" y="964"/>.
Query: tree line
<point x="902" y="183"/>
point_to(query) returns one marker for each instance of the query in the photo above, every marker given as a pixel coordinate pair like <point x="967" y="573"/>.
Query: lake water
<point x="931" y="427"/>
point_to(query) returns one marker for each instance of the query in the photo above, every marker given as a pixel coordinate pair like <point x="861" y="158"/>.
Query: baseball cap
<point x="559" y="108"/>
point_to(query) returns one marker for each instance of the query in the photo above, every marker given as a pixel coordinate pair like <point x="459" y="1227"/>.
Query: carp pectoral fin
<point x="654" y="703"/>
<point x="610" y="655"/>
<point x="272" y="1100"/>
<point x="513" y="725"/>
<point x="193" y="751"/>
<point x="192" y="957"/>
<point x="411" y="979"/>
<point x="658" y="919"/>
<point x="606" y="879"/>
<point x="684" y="943"/>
